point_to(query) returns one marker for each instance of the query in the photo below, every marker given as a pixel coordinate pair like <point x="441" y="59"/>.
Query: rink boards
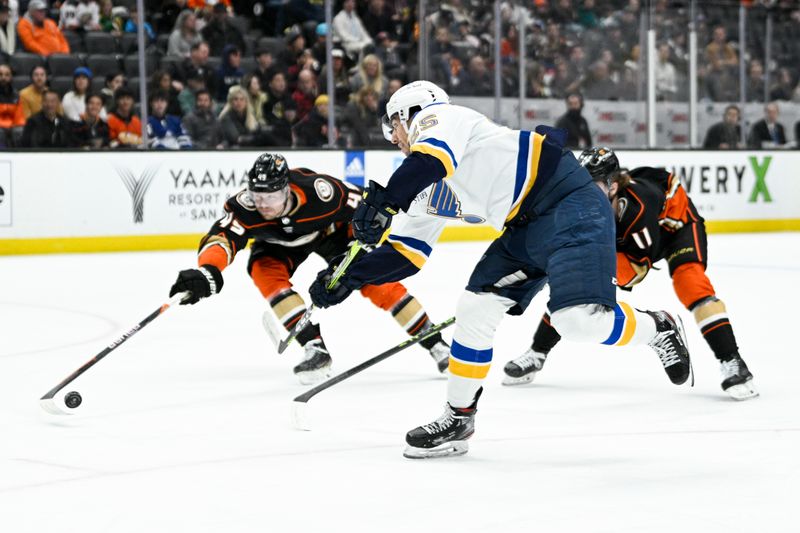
<point x="81" y="202"/>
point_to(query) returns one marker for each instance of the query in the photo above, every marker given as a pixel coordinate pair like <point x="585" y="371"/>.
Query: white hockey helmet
<point x="409" y="99"/>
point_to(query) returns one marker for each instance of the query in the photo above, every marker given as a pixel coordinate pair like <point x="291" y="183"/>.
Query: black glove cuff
<point x="214" y="277"/>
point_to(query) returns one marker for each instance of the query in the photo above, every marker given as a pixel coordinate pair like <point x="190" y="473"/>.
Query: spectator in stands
<point x="767" y="132"/>
<point x="312" y="131"/>
<point x="394" y="84"/>
<point x="184" y="35"/>
<point x="111" y="19"/>
<point x="264" y="65"/>
<point x="197" y="61"/>
<point x="46" y="129"/>
<point x="79" y="15"/>
<point x="161" y="80"/>
<point x="320" y="48"/>
<point x="133" y="21"/>
<point x="255" y="96"/>
<point x="165" y="131"/>
<point x="476" y="80"/>
<point x="114" y="80"/>
<point x="202" y="124"/>
<point x="378" y="18"/>
<point x="74" y="102"/>
<point x="124" y="128"/>
<point x="721" y="84"/>
<point x="305" y="94"/>
<point x="784" y="87"/>
<point x="38" y="33"/>
<point x="727" y="134"/>
<point x="362" y="118"/>
<point x="295" y="44"/>
<point x="8" y="32"/>
<point x="280" y="112"/>
<point x="578" y="135"/>
<point x="441" y="58"/>
<point x="188" y="96"/>
<point x="387" y="52"/>
<point x="755" y="82"/>
<point x="369" y="74"/>
<point x="12" y="119"/>
<point x="90" y="131"/>
<point x="721" y="50"/>
<point x="563" y="83"/>
<point x="238" y="121"/>
<point x="347" y="26"/>
<point x="31" y="95"/>
<point x="220" y="33"/>
<point x="666" y="77"/>
<point x="341" y="81"/>
<point x="600" y="86"/>
<point x="229" y="72"/>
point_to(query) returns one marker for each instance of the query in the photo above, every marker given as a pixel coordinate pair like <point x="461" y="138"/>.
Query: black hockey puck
<point x="73" y="399"/>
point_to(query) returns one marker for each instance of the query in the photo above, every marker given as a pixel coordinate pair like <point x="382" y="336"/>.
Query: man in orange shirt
<point x="39" y="34"/>
<point x="10" y="107"/>
<point x="124" y="128"/>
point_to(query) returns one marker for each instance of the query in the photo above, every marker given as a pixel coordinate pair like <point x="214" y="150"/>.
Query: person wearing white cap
<point x="39" y="34"/>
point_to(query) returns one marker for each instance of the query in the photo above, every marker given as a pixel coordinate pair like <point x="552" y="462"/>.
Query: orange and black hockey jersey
<point x="651" y="209"/>
<point x="322" y="205"/>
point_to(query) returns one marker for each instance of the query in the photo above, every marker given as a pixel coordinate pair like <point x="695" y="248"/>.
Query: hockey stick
<point x="299" y="404"/>
<point x="47" y="402"/>
<point x="306" y="318"/>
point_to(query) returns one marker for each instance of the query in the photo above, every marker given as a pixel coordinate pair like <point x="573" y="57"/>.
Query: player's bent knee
<point x="583" y="323"/>
<point x="385" y="296"/>
<point x="691" y="284"/>
<point x="477" y="317"/>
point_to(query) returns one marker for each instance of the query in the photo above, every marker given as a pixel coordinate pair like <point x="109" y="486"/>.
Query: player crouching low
<point x="655" y="220"/>
<point x="290" y="214"/>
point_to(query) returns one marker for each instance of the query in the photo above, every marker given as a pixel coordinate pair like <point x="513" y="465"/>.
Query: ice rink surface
<point x="185" y="428"/>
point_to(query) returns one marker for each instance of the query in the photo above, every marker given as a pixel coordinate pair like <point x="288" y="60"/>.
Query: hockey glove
<point x="200" y="282"/>
<point x="373" y="215"/>
<point x="324" y="297"/>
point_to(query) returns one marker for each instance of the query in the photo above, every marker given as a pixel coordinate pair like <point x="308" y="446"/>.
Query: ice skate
<point x="440" y="352"/>
<point x="524" y="368"/>
<point x="316" y="363"/>
<point x="737" y="380"/>
<point x="446" y="436"/>
<point x="670" y="345"/>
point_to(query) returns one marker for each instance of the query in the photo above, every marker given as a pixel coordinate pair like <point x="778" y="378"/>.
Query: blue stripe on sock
<point x="619" y="324"/>
<point x="470" y="355"/>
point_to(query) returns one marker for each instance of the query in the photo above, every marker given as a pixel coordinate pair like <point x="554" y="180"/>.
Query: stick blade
<point x="300" y="419"/>
<point x="50" y="406"/>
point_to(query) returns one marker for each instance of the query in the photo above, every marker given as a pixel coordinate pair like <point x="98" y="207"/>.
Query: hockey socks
<point x="712" y="319"/>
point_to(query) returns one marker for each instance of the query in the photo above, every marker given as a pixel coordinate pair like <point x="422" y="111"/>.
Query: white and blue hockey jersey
<point x="490" y="171"/>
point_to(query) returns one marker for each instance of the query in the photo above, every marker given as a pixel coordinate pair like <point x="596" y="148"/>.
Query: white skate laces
<point x="730" y="368"/>
<point x="665" y="348"/>
<point x="529" y="359"/>
<point x="441" y="423"/>
<point x="313" y="348"/>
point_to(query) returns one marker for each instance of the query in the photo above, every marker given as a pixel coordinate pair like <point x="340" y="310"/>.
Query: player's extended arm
<point x="374" y="214"/>
<point x="217" y="250"/>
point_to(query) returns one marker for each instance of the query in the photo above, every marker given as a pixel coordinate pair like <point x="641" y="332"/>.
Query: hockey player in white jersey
<point x="558" y="227"/>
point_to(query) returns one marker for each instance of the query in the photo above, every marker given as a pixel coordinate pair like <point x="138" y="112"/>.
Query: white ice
<point x="185" y="428"/>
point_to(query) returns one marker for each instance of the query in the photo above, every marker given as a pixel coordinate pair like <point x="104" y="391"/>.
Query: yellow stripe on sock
<point x="630" y="324"/>
<point x="466" y="370"/>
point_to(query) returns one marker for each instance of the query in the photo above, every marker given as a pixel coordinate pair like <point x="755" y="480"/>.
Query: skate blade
<point x="742" y="391"/>
<point x="312" y="377"/>
<point x="690" y="379"/>
<point x="522" y="380"/>
<point x="448" y="449"/>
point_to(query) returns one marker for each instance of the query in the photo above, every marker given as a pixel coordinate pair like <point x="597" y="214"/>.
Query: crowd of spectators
<point x="235" y="73"/>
